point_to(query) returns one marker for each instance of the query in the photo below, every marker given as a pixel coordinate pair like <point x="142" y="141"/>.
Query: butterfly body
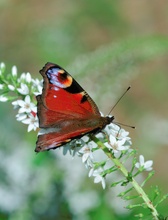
<point x="65" y="110"/>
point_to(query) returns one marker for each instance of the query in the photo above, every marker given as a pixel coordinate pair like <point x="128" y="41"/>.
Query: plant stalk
<point x="134" y="183"/>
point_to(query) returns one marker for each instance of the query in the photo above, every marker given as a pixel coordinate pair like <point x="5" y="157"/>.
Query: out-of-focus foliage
<point x="107" y="45"/>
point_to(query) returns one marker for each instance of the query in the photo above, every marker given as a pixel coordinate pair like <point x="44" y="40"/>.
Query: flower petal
<point x="14" y="71"/>
<point x="141" y="160"/>
<point x="3" y="98"/>
<point x="148" y="164"/>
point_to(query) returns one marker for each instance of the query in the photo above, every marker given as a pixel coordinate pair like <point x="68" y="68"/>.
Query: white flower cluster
<point x="27" y="112"/>
<point x="118" y="142"/>
<point x="114" y="138"/>
<point x="118" y="139"/>
<point x="24" y="87"/>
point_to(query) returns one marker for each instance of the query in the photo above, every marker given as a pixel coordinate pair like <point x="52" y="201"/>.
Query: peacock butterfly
<point x="65" y="110"/>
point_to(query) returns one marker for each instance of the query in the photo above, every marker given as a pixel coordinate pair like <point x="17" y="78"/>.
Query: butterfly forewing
<point x="62" y="93"/>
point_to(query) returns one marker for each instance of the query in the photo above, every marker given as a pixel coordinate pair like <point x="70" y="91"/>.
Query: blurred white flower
<point x="15" y="104"/>
<point x="2" y="65"/>
<point x="100" y="135"/>
<point x="91" y="172"/>
<point x="22" y="77"/>
<point x="86" y="152"/>
<point x="112" y="129"/>
<point x="1" y="86"/>
<point x="98" y="177"/>
<point x="85" y="138"/>
<point x="67" y="148"/>
<point x="26" y="105"/>
<point x="145" y="165"/>
<point x="32" y="122"/>
<point x="11" y="87"/>
<point x="14" y="71"/>
<point x="21" y="116"/>
<point x="88" y="201"/>
<point x="3" y="98"/>
<point x="72" y="147"/>
<point x="28" y="77"/>
<point x="38" y="86"/>
<point x="24" y="90"/>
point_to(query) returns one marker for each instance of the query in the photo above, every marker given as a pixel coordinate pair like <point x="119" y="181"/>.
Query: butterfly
<point x="65" y="110"/>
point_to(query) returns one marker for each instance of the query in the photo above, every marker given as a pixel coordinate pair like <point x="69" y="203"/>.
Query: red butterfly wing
<point x="62" y="94"/>
<point x="64" y="109"/>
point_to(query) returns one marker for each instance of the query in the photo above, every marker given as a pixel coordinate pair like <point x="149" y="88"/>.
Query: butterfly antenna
<point x="118" y="123"/>
<point x="120" y="99"/>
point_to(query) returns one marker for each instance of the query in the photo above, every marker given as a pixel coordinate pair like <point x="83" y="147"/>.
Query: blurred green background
<point x="107" y="45"/>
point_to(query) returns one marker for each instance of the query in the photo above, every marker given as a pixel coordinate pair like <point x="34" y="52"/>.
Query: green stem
<point x="134" y="183"/>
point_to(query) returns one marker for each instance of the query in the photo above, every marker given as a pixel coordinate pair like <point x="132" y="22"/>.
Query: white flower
<point x="122" y="134"/>
<point x="38" y="86"/>
<point x="86" y="152"/>
<point x="116" y="145"/>
<point x="145" y="165"/>
<point x="32" y="121"/>
<point x="116" y="131"/>
<point x="22" y="77"/>
<point x="3" y="98"/>
<point x="112" y="129"/>
<point x="2" y="65"/>
<point x="11" y="87"/>
<point x="1" y="86"/>
<point x="26" y="105"/>
<point x="85" y="138"/>
<point x="91" y="172"/>
<point x="15" y="104"/>
<point x="21" y="116"/>
<point x="100" y="135"/>
<point x="28" y="78"/>
<point x="73" y="147"/>
<point x="2" y="68"/>
<point x="14" y="71"/>
<point x="68" y="148"/>
<point x="24" y="90"/>
<point x="25" y="77"/>
<point x="98" y="177"/>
